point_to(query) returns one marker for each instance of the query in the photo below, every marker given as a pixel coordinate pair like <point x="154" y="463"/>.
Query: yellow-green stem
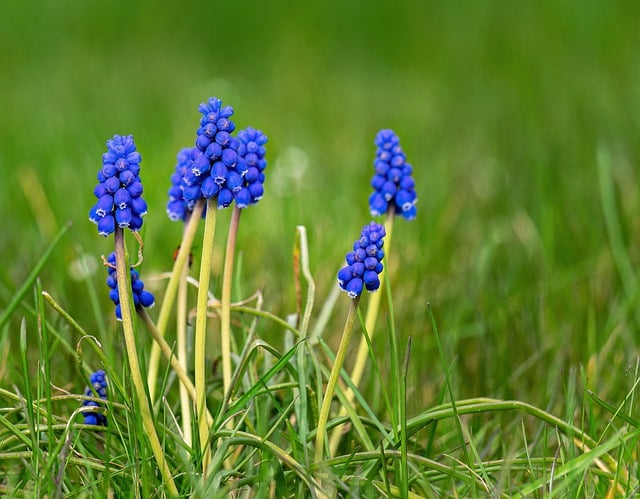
<point x="370" y="326"/>
<point x="201" y="332"/>
<point x="333" y="378"/>
<point x="124" y="290"/>
<point x="225" y="300"/>
<point x="181" y="334"/>
<point x="170" y="294"/>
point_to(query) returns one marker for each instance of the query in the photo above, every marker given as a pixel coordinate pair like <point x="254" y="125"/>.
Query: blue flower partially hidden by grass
<point x="99" y="382"/>
<point x="364" y="263"/>
<point x="252" y="150"/>
<point x="119" y="189"/>
<point x="141" y="297"/>
<point x="393" y="183"/>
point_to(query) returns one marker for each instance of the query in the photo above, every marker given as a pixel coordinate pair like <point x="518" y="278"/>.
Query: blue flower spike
<point x="98" y="381"/>
<point x="364" y="263"/>
<point x="119" y="189"/>
<point x="141" y="297"/>
<point x="215" y="168"/>
<point x="392" y="183"/>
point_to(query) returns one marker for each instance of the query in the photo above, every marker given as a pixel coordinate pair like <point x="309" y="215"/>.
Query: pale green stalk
<point x="201" y="332"/>
<point x="225" y="301"/>
<point x="124" y="290"/>
<point x="170" y="294"/>
<point x="181" y="333"/>
<point x="333" y="378"/>
<point x="370" y="326"/>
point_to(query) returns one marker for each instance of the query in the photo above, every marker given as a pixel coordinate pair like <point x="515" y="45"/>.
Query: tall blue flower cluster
<point x="364" y="263"/>
<point x="141" y="297"/>
<point x="393" y="184"/>
<point x="99" y="382"/>
<point x="216" y="169"/>
<point x="119" y="189"/>
<point x="252" y="149"/>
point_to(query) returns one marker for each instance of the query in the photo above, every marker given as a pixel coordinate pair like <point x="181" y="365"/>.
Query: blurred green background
<point x="501" y="107"/>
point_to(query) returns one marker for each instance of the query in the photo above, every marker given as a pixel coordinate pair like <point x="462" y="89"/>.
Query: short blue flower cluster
<point x="392" y="182"/>
<point x="141" y="297"/>
<point x="216" y="168"/>
<point x="119" y="190"/>
<point x="252" y="149"/>
<point x="364" y="263"/>
<point x="99" y="382"/>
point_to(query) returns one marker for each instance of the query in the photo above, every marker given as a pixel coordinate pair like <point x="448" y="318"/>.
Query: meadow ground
<point x="522" y="125"/>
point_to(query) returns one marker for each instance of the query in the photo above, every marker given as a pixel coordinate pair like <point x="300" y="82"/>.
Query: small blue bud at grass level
<point x="364" y="263"/>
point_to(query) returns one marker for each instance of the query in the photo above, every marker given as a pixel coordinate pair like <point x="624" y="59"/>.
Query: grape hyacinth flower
<point x="177" y="208"/>
<point x="393" y="184"/>
<point x="364" y="263"/>
<point x="252" y="149"/>
<point x="99" y="382"/>
<point x="141" y="297"/>
<point x="119" y="189"/>
<point x="216" y="168"/>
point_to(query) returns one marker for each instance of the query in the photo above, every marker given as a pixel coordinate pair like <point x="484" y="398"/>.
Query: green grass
<point x="521" y="123"/>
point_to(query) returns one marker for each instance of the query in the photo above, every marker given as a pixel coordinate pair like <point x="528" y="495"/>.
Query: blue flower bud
<point x="225" y="198"/>
<point x="98" y="381"/>
<point x="106" y="225"/>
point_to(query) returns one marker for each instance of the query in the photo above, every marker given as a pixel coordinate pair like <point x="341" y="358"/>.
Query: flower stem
<point x="225" y="303"/>
<point x="201" y="332"/>
<point x="333" y="378"/>
<point x="181" y="336"/>
<point x="170" y="293"/>
<point x="124" y="290"/>
<point x="370" y="326"/>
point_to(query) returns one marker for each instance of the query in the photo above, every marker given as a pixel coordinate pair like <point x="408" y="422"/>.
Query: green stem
<point x="370" y="326"/>
<point x="170" y="294"/>
<point x="124" y="290"/>
<point x="225" y="300"/>
<point x="201" y="332"/>
<point x="333" y="378"/>
<point x="181" y="334"/>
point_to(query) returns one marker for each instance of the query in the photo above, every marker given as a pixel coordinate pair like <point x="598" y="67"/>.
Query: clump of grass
<point x="260" y="428"/>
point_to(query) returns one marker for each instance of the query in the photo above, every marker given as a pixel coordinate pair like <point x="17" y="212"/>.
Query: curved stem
<point x="333" y="378"/>
<point x="124" y="290"/>
<point x="170" y="294"/>
<point x="201" y="332"/>
<point x="370" y="326"/>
